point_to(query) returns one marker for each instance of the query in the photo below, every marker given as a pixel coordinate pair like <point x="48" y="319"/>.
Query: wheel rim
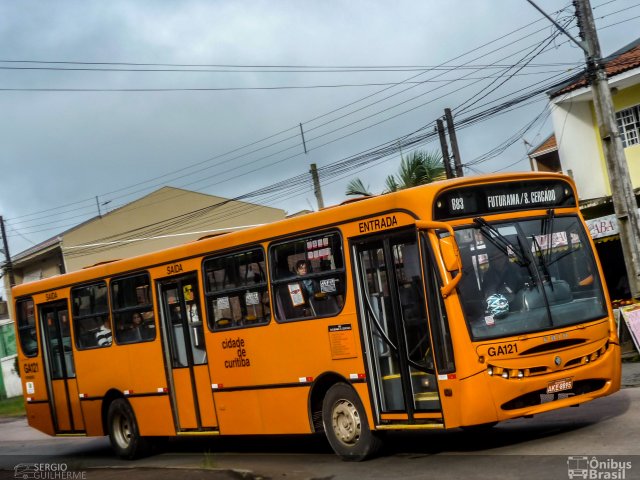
<point x="122" y="431"/>
<point x="346" y="422"/>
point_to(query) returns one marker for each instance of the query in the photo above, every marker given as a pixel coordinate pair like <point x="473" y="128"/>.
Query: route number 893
<point x="457" y="204"/>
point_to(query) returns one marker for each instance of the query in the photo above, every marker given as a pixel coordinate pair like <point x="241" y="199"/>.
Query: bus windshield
<point x="527" y="276"/>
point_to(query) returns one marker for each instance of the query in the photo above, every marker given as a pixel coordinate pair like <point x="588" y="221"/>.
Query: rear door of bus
<point x="396" y="328"/>
<point x="60" y="368"/>
<point x="186" y="354"/>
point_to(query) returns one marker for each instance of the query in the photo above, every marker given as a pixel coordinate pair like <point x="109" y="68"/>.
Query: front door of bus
<point x="60" y="368"/>
<point x="186" y="354"/>
<point x="396" y="326"/>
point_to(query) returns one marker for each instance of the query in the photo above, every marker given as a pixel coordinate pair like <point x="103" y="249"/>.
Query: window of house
<point x="308" y="276"/>
<point x="237" y="290"/>
<point x="629" y="125"/>
<point x="132" y="309"/>
<point x="27" y="327"/>
<point x="91" y="320"/>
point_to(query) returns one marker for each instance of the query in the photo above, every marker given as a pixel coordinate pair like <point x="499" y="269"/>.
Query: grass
<point x="12" y="407"/>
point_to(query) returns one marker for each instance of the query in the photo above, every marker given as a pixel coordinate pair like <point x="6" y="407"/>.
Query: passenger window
<point x="308" y="277"/>
<point x="237" y="290"/>
<point x="91" y="316"/>
<point x="132" y="309"/>
<point x="27" y="327"/>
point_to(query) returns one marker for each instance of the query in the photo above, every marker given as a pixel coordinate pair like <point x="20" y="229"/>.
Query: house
<point x="164" y="218"/>
<point x="544" y="157"/>
<point x="580" y="153"/>
<point x="576" y="129"/>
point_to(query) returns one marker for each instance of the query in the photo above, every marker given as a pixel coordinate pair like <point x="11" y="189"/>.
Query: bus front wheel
<point x="123" y="431"/>
<point x="346" y="426"/>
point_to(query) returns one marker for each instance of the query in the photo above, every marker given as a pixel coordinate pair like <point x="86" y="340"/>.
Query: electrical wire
<point x="346" y="106"/>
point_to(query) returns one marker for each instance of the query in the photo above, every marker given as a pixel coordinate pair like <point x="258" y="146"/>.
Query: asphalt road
<point x="606" y="431"/>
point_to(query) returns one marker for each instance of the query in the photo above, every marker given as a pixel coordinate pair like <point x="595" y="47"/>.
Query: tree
<point x="419" y="168"/>
<point x="356" y="187"/>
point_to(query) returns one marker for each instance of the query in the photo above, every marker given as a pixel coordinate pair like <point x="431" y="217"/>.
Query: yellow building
<point x="577" y="139"/>
<point x="576" y="128"/>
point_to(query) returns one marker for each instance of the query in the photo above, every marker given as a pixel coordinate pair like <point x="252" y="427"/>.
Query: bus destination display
<point x="503" y="197"/>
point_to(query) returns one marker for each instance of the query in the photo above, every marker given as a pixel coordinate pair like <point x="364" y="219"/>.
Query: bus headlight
<point x="505" y="374"/>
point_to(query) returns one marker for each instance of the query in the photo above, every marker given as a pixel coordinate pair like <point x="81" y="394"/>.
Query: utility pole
<point x="316" y="186"/>
<point x="98" y="205"/>
<point x="445" y="148"/>
<point x="7" y="255"/>
<point x="314" y="175"/>
<point x="453" y="139"/>
<point x="527" y="146"/>
<point x="624" y="200"/>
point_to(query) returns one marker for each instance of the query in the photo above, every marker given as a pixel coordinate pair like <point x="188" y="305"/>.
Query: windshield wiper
<point x="501" y="242"/>
<point x="543" y="262"/>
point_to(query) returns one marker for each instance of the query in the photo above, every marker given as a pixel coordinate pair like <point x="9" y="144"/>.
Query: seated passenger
<point x="302" y="269"/>
<point x="103" y="335"/>
<point x="503" y="276"/>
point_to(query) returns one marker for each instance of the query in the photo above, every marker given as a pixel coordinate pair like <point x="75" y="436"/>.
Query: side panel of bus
<point x="116" y="369"/>
<point x="264" y="375"/>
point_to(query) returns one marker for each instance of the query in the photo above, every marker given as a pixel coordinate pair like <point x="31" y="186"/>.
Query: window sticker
<point x="252" y="298"/>
<point x="295" y="291"/>
<point x="222" y="303"/>
<point x="188" y="293"/>
<point x="328" y="285"/>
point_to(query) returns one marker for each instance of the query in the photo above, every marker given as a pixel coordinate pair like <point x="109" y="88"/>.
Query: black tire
<point x="346" y="425"/>
<point x="123" y="431"/>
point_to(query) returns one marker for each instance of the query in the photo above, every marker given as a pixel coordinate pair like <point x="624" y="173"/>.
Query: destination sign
<point x="503" y="197"/>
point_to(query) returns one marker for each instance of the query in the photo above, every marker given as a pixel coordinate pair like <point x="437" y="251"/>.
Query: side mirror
<point x="450" y="253"/>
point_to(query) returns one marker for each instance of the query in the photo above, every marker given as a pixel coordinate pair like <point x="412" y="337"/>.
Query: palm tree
<point x="356" y="187"/>
<point x="419" y="168"/>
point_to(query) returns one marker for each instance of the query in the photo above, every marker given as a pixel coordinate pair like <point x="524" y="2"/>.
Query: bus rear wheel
<point x="123" y="431"/>
<point x="346" y="426"/>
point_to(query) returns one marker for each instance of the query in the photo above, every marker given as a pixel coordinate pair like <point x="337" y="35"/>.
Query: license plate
<point x="560" y="385"/>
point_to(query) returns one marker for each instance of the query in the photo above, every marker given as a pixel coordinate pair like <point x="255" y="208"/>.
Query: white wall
<point x="12" y="383"/>
<point x="578" y="148"/>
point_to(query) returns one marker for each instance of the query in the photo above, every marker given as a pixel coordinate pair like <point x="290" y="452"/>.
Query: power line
<point x="291" y="184"/>
<point x="400" y="83"/>
<point x="217" y="175"/>
<point x="229" y="89"/>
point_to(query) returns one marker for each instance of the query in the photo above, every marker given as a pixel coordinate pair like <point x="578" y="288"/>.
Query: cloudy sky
<point x="114" y="99"/>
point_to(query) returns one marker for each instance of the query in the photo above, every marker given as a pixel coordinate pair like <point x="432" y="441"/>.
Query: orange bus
<point x="460" y="303"/>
